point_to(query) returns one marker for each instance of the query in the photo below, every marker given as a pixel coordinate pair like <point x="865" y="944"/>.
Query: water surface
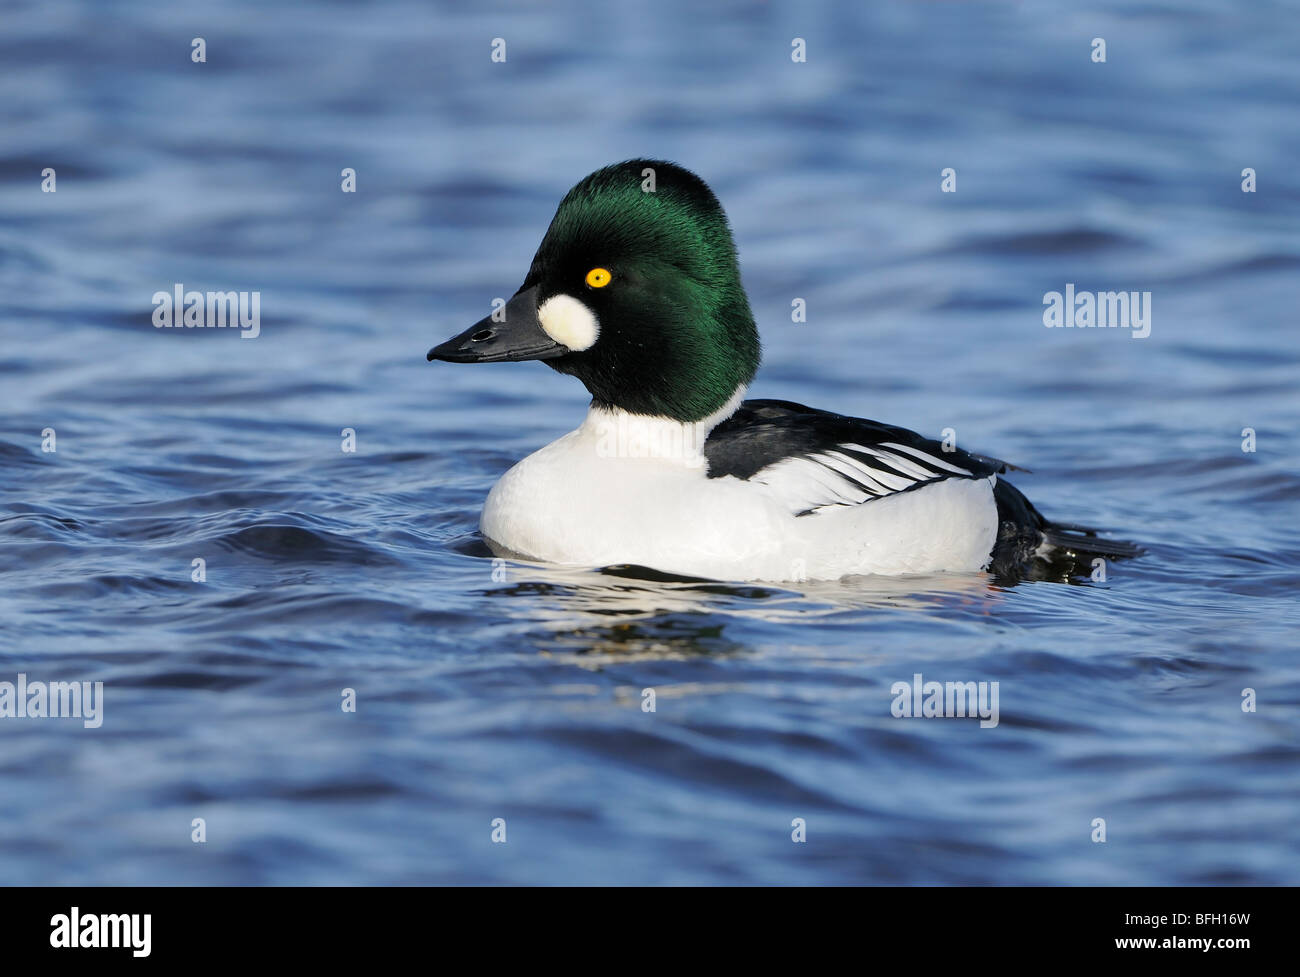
<point x="506" y="690"/>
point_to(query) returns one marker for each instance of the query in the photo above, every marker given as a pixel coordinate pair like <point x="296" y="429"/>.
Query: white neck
<point x="619" y="434"/>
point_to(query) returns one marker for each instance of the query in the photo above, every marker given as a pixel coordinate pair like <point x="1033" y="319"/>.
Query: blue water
<point x="514" y="691"/>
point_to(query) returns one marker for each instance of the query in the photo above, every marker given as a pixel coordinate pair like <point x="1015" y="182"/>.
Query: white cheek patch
<point x="569" y="322"/>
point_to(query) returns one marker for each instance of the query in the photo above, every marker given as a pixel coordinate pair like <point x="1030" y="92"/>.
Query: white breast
<point x="623" y="489"/>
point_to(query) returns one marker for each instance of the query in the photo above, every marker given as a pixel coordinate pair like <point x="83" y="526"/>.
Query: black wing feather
<point x="764" y="432"/>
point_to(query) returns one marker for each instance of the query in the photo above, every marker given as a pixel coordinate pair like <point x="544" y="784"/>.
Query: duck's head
<point x="635" y="290"/>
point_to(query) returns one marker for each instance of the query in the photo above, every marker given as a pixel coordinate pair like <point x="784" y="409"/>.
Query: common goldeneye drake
<point x="635" y="290"/>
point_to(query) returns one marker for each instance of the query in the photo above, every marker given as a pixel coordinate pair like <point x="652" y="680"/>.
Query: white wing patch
<point x="851" y="474"/>
<point x="928" y="458"/>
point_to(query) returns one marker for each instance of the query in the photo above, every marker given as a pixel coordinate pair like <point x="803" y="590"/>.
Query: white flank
<point x="604" y="495"/>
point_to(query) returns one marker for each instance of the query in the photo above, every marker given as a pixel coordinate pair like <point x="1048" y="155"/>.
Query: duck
<point x="636" y="291"/>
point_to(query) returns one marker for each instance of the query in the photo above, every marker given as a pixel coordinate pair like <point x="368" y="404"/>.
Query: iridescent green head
<point x="635" y="290"/>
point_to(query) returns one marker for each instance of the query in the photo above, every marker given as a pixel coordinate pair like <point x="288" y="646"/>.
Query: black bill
<point x="518" y="336"/>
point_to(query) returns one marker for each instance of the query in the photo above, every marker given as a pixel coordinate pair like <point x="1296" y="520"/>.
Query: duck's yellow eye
<point x="598" y="277"/>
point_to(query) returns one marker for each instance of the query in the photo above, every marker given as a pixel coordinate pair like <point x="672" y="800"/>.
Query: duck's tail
<point x="1030" y="546"/>
<point x="1068" y="536"/>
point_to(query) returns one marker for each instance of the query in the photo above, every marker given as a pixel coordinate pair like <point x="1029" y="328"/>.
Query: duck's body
<point x="671" y="468"/>
<point x="627" y="489"/>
